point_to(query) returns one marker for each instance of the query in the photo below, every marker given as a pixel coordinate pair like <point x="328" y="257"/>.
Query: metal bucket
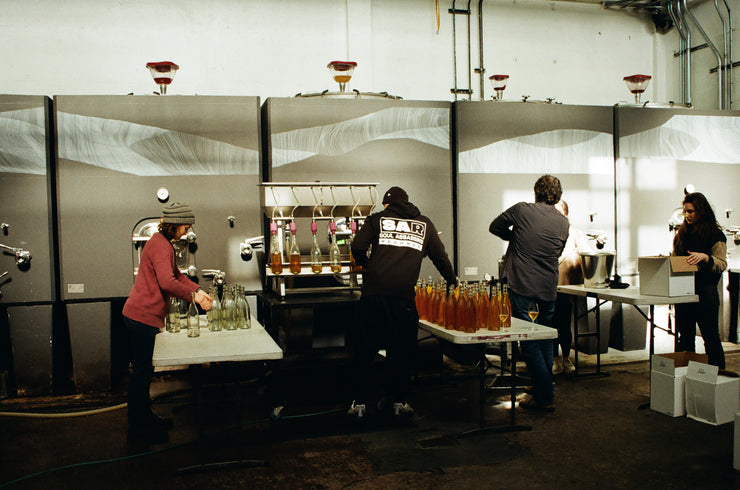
<point x="597" y="268"/>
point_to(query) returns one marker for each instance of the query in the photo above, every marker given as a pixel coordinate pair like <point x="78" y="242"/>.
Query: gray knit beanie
<point x="178" y="213"/>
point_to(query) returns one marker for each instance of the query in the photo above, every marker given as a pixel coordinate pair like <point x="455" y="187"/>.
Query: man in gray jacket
<point x="536" y="233"/>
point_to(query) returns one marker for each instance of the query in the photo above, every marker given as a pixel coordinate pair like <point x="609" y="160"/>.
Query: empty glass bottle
<point x="214" y="314"/>
<point x="241" y="309"/>
<point x="173" y="315"/>
<point x="193" y="318"/>
<point x="316" y="266"/>
<point x="228" y="310"/>
<point x="183" y="312"/>
<point x="335" y="258"/>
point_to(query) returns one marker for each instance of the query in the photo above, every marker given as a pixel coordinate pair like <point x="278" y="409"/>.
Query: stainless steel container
<point x="596" y="267"/>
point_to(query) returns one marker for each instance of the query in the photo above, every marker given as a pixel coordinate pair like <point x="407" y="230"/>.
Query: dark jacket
<point x="399" y="237"/>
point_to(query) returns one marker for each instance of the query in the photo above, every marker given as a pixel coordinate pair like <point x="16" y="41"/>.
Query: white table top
<point x="176" y="349"/>
<point x="520" y="330"/>
<point x="630" y="295"/>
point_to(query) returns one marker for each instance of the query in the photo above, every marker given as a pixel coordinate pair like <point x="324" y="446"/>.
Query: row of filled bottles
<point x="315" y="259"/>
<point x="467" y="307"/>
<point x="229" y="312"/>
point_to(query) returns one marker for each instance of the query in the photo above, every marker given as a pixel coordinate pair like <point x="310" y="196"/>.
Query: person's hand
<point x="696" y="258"/>
<point x="203" y="299"/>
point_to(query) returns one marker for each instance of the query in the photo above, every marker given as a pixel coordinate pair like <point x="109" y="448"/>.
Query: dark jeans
<point x="142" y="349"/>
<point x="561" y="321"/>
<point x="391" y="323"/>
<point x="705" y="313"/>
<point x="537" y="353"/>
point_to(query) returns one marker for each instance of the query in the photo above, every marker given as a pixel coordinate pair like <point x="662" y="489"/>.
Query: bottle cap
<point x="314" y="227"/>
<point x="353" y="226"/>
<point x="273" y="228"/>
<point x="333" y="227"/>
<point x="292" y="227"/>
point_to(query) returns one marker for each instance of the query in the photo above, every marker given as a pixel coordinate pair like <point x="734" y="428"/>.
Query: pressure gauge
<point x="163" y="194"/>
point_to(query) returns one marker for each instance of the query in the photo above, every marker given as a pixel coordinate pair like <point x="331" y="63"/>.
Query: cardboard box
<point x="710" y="398"/>
<point x="668" y="381"/>
<point x="666" y="276"/>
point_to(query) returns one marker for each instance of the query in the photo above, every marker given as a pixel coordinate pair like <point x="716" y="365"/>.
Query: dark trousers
<point x="537" y="353"/>
<point x="561" y="321"/>
<point x="142" y="349"/>
<point x="391" y="323"/>
<point x="705" y="313"/>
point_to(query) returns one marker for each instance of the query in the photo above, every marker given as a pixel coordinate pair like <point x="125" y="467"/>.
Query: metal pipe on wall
<point x="720" y="98"/>
<point x="722" y="68"/>
<point x="482" y="71"/>
<point x="681" y="51"/>
<point x="687" y="50"/>
<point x="727" y="37"/>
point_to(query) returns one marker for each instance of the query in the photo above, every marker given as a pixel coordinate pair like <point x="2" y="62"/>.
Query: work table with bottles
<point x="177" y="349"/>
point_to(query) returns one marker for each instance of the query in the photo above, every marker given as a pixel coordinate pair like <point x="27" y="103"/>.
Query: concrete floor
<point x="599" y="436"/>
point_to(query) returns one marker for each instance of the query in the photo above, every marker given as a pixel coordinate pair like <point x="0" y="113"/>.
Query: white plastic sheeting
<point x="562" y="151"/>
<point x="424" y="124"/>
<point x="148" y="151"/>
<point x="23" y="145"/>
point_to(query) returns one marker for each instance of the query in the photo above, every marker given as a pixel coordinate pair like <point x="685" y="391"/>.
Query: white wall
<point x="576" y="53"/>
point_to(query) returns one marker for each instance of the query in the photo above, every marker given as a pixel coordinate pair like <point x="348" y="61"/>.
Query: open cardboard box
<point x="710" y="397"/>
<point x="666" y="276"/>
<point x="668" y="381"/>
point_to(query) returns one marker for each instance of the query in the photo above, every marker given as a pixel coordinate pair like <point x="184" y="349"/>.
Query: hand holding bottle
<point x="203" y="299"/>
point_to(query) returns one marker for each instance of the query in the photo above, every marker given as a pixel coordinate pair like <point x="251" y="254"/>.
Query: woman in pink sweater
<point x="157" y="280"/>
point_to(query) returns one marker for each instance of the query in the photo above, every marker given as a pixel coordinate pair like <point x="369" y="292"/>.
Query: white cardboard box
<point x="668" y="381"/>
<point x="666" y="276"/>
<point x="710" y="398"/>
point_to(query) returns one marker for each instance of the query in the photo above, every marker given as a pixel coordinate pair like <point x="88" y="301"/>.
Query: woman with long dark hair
<point x="157" y="280"/>
<point x="702" y="240"/>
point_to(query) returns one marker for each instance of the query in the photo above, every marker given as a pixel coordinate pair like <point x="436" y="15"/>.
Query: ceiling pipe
<point x="709" y="42"/>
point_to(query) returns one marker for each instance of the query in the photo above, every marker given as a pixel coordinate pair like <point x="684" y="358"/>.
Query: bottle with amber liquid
<point x="422" y="301"/>
<point x="493" y="308"/>
<point x="294" y="255"/>
<point x="417" y="296"/>
<point x="316" y="266"/>
<point x="482" y="306"/>
<point x="460" y="307"/>
<point x="276" y="256"/>
<point x="442" y="304"/>
<point x="470" y="309"/>
<point x="506" y="302"/>
<point x="352" y="264"/>
<point x="433" y="306"/>
<point x="450" y="309"/>
<point x="335" y="258"/>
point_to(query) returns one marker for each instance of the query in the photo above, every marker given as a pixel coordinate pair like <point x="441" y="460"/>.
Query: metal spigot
<point x="191" y="236"/>
<point x="219" y="277"/>
<point x="22" y="257"/>
<point x="247" y="247"/>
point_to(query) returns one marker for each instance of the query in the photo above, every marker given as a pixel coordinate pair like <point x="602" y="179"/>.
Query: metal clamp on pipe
<point x="248" y="246"/>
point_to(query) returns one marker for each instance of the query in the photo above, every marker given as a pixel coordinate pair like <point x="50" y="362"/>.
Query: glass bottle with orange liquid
<point x="442" y="305"/>
<point x="335" y="260"/>
<point x="505" y="310"/>
<point x="423" y="301"/>
<point x="316" y="265"/>
<point x="276" y="256"/>
<point x="450" y="308"/>
<point x="294" y="255"/>
<point x="483" y="306"/>
<point x="460" y="310"/>
<point x="494" y="323"/>
<point x="470" y="309"/>
<point x="417" y="296"/>
<point x="352" y="264"/>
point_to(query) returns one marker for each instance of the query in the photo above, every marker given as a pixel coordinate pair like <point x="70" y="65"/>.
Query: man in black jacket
<point x="399" y="237"/>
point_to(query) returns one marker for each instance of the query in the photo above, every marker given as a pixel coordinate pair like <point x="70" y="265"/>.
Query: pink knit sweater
<point x="157" y="280"/>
